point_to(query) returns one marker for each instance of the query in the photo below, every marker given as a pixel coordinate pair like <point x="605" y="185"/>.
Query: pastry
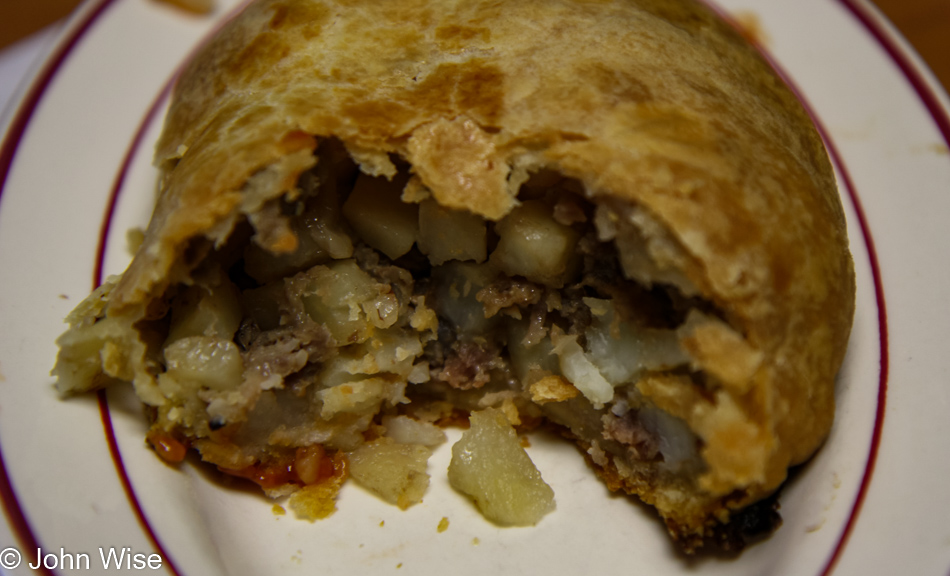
<point x="611" y="217"/>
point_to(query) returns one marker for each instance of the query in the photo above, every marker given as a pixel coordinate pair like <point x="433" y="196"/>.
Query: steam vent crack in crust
<point x="377" y="217"/>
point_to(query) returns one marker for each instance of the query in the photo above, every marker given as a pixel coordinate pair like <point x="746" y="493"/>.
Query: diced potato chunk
<point x="322" y="218"/>
<point x="490" y="465"/>
<point x="622" y="351"/>
<point x="394" y="472"/>
<point x="355" y="397"/>
<point x="406" y="430"/>
<point x="205" y="361"/>
<point x="456" y="289"/>
<point x="382" y="220"/>
<point x="392" y="351"/>
<point x="533" y="244"/>
<point x="203" y="311"/>
<point x="580" y="371"/>
<point x="336" y="296"/>
<point x="446" y="234"/>
<point x="527" y="357"/>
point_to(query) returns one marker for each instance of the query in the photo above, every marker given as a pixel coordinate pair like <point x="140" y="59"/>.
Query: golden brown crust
<point x="658" y="108"/>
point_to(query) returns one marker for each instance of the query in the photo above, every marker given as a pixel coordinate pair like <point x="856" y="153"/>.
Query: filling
<point x="392" y="315"/>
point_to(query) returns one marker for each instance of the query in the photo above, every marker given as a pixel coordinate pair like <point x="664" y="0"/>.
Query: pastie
<point x="611" y="217"/>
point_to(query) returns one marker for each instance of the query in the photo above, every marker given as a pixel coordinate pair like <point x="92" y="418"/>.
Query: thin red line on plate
<point x="167" y="561"/>
<point x="41" y="82"/>
<point x="925" y="90"/>
<point x="884" y="353"/>
<point x="17" y="520"/>
<point x="104" y="412"/>
<point x="931" y="100"/>
<point x="849" y="187"/>
<point x="17" y="128"/>
<point x="848" y="184"/>
<point x="29" y="104"/>
<point x="928" y="95"/>
<point x="97" y="278"/>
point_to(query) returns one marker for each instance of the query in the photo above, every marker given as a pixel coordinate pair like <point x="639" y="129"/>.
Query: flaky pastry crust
<point x="713" y="169"/>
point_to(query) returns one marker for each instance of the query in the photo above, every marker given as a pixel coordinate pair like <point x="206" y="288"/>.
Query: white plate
<point x="76" y="476"/>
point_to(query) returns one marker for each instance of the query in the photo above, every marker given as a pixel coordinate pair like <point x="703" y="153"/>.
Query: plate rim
<point x="911" y="68"/>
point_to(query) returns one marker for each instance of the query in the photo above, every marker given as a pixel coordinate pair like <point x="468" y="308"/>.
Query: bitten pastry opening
<point x="356" y="312"/>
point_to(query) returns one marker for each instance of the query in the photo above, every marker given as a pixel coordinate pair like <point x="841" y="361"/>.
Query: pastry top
<point x="666" y="115"/>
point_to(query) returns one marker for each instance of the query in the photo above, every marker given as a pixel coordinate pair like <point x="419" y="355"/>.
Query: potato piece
<point x="490" y="465"/>
<point x="623" y="351"/>
<point x="579" y="370"/>
<point x="205" y="361"/>
<point x="529" y="356"/>
<point x="358" y="396"/>
<point x="394" y="472"/>
<point x="406" y="430"/>
<point x="322" y="218"/>
<point x="321" y="233"/>
<point x="393" y="351"/>
<point x="446" y="234"/>
<point x="206" y="311"/>
<point x="382" y="220"/>
<point x="338" y="296"/>
<point x="533" y="244"/>
<point x="457" y="285"/>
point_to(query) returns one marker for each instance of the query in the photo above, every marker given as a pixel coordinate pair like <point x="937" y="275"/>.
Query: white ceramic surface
<point x="882" y="113"/>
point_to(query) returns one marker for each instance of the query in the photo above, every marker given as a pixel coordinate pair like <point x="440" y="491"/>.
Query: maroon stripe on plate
<point x="154" y="109"/>
<point x="17" y="127"/>
<point x="929" y="97"/>
<point x="848" y="185"/>
<point x="884" y="354"/>
<point x="97" y="277"/>
<point x="41" y="82"/>
<point x="167" y="561"/>
<point x="17" y="520"/>
<point x="925" y="91"/>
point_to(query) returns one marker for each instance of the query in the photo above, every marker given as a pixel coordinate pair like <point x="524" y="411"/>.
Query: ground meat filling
<point x="469" y="364"/>
<point x="630" y="431"/>
<point x="387" y="301"/>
